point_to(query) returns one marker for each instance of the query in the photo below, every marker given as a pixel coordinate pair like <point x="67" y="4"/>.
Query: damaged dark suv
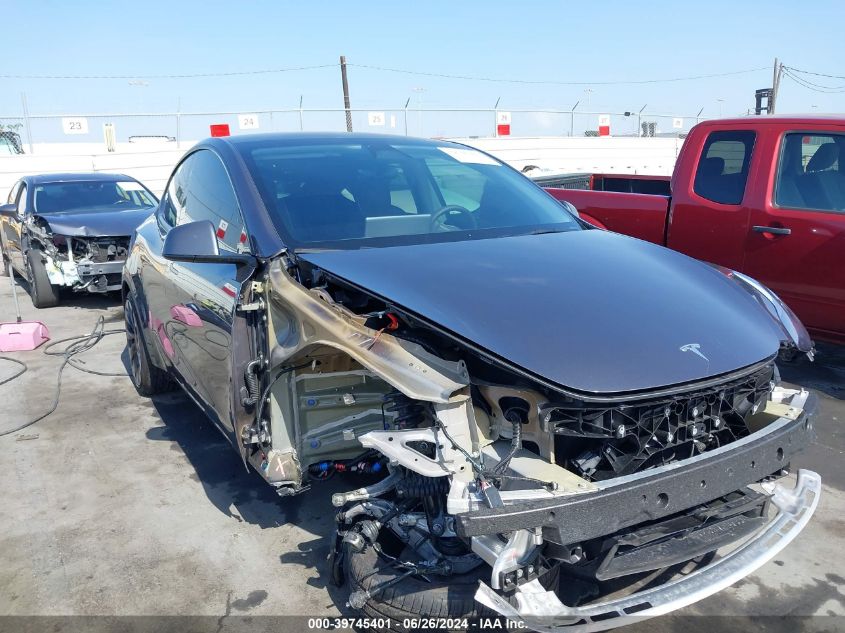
<point x="532" y="405"/>
<point x="71" y="231"/>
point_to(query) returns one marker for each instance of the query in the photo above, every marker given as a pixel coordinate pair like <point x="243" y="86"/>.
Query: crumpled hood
<point x="589" y="310"/>
<point x="96" y="223"/>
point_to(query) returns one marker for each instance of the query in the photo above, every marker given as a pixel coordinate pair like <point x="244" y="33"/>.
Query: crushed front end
<point x="81" y="263"/>
<point x="506" y="495"/>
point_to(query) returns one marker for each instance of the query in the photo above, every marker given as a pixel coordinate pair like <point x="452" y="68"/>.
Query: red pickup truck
<point x="761" y="195"/>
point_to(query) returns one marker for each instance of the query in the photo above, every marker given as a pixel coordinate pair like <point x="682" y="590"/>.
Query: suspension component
<point x="409" y="413"/>
<point x="414" y="485"/>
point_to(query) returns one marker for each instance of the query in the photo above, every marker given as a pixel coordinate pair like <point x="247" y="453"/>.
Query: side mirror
<point x="9" y="210"/>
<point x="197" y="242"/>
<point x="570" y="207"/>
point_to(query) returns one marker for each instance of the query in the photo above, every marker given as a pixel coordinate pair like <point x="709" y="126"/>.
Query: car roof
<point x="296" y="138"/>
<point x="792" y="119"/>
<point x="95" y="176"/>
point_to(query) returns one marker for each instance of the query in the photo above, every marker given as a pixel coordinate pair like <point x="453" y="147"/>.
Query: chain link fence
<point x="122" y="131"/>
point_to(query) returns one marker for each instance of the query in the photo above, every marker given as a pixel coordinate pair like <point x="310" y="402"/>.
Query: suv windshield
<point x="94" y="195"/>
<point x="377" y="192"/>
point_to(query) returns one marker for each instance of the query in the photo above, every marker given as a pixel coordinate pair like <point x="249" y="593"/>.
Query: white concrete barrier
<point x="628" y="155"/>
<point x="152" y="164"/>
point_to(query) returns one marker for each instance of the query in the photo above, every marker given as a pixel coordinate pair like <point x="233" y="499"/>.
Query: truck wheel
<point x="147" y="378"/>
<point x="43" y="293"/>
<point x="412" y="597"/>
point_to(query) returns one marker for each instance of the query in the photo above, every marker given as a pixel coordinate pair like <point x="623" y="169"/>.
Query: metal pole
<point x="773" y="95"/>
<point x="26" y="122"/>
<point x="496" y="118"/>
<point x="301" y="128"/>
<point x="406" y="115"/>
<point x="346" y="104"/>
<point x="698" y="116"/>
<point x="178" y="123"/>
<point x="572" y="119"/>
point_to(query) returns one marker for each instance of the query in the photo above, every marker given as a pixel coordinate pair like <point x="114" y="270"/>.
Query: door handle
<point x="774" y="230"/>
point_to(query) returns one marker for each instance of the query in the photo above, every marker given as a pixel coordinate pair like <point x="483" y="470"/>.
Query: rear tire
<point x="43" y="293"/>
<point x="148" y="379"/>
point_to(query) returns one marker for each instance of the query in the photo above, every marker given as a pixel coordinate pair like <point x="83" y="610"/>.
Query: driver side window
<point x="173" y="200"/>
<point x="210" y="196"/>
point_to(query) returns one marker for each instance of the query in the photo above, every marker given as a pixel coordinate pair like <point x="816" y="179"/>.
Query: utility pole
<point x="773" y="97"/>
<point x="346" y="105"/>
<point x="25" y="107"/>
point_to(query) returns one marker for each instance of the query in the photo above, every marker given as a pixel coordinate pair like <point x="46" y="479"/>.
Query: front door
<point x="796" y="238"/>
<point x="203" y="296"/>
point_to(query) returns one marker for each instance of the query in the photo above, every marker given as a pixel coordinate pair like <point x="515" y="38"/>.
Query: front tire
<point x="148" y="379"/>
<point x="43" y="293"/>
<point x="412" y="598"/>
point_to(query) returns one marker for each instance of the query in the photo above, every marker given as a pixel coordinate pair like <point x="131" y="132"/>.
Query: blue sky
<point x="561" y="41"/>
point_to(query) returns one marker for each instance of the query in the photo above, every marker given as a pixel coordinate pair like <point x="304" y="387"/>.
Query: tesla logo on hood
<point x="695" y="348"/>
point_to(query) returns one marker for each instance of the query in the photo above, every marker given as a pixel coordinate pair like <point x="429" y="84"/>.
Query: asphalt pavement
<point x="118" y="505"/>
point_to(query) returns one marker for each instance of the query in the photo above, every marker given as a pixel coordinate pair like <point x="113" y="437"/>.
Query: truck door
<point x="796" y="240"/>
<point x="709" y="215"/>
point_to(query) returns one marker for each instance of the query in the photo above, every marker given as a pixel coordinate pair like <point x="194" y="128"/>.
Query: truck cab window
<point x="810" y="173"/>
<point x="722" y="171"/>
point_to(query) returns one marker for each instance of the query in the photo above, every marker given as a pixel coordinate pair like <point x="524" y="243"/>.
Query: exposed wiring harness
<point x="76" y="345"/>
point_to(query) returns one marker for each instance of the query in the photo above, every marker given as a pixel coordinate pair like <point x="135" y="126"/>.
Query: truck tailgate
<point x="636" y="214"/>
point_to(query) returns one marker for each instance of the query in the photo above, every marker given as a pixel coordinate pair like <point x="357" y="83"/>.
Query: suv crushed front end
<point x="517" y="499"/>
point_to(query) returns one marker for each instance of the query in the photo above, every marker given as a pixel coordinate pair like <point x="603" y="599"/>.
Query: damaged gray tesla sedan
<point x="541" y="414"/>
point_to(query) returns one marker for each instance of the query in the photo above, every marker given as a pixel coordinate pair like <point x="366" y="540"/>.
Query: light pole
<point x="720" y="106"/>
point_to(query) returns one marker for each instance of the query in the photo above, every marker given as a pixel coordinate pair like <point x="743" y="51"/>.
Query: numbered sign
<point x="75" y="125"/>
<point x="248" y="121"/>
<point x="677" y="123"/>
<point x="604" y="125"/>
<point x="503" y="123"/>
<point x="375" y="118"/>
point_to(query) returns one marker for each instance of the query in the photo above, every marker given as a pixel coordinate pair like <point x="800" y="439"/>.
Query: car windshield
<point x="379" y="192"/>
<point x="93" y="195"/>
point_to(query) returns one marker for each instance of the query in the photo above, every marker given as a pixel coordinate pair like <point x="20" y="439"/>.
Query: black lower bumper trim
<point x="577" y="518"/>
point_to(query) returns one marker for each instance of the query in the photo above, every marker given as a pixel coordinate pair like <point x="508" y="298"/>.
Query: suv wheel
<point x="147" y="378"/>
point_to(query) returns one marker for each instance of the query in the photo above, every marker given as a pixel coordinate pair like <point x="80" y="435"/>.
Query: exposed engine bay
<point x="474" y="468"/>
<point x="82" y="263"/>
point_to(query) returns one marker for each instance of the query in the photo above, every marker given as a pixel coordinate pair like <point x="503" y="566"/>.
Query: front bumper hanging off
<point x="542" y="610"/>
<point x="651" y="495"/>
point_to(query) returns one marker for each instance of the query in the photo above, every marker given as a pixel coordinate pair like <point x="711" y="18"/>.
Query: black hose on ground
<point x="76" y="345"/>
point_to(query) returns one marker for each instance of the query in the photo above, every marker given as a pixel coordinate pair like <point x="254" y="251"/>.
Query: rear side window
<point x="723" y="167"/>
<point x="810" y="173"/>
